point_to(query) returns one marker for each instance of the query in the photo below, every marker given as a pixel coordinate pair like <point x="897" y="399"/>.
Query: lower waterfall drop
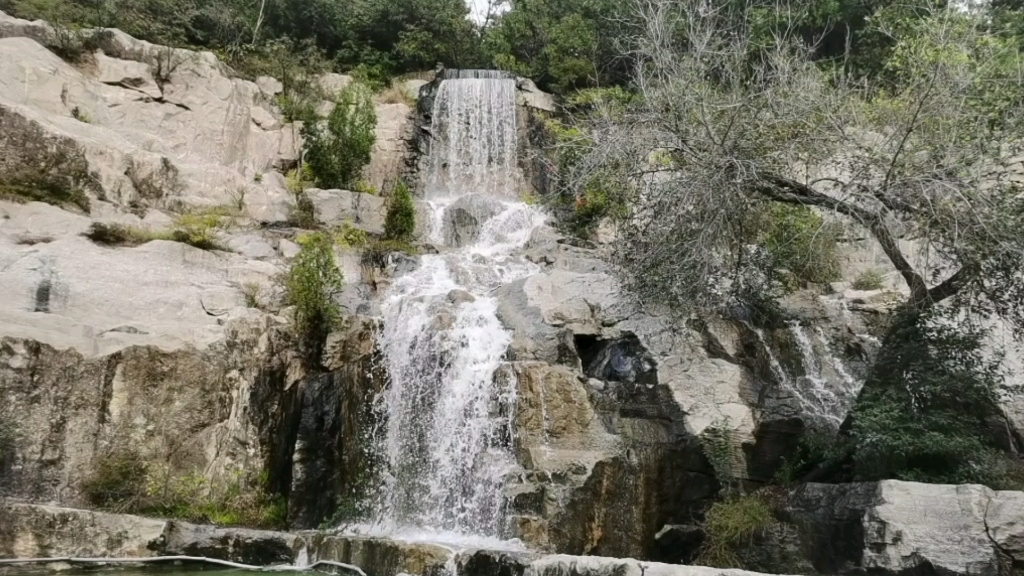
<point x="445" y="438"/>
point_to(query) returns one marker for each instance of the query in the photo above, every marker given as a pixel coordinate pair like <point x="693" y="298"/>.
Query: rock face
<point x="901" y="527"/>
<point x="151" y="133"/>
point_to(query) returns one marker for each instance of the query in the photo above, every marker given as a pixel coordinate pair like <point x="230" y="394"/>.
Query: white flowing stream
<point x="445" y="435"/>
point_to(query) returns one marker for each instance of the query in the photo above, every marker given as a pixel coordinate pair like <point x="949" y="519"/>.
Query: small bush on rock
<point x="869" y="280"/>
<point x="400" y="222"/>
<point x="118" y="481"/>
<point x="730" y="525"/>
<point x="313" y="281"/>
<point x="337" y="150"/>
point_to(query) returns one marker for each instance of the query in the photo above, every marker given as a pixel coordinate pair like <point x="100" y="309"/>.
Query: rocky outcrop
<point x="156" y="127"/>
<point x="32" y="531"/>
<point x="896" y="527"/>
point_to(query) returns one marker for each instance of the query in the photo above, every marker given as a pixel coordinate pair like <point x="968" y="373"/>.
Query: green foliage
<point x="717" y="443"/>
<point x="123" y="480"/>
<point x="252" y="293"/>
<point x="118" y="480"/>
<point x="80" y="115"/>
<point x="117" y="234"/>
<point x="364" y="187"/>
<point x="199" y="229"/>
<point x="347" y="236"/>
<point x="400" y="222"/>
<point x="313" y="281"/>
<point x="797" y="240"/>
<point x="337" y="152"/>
<point x="562" y="44"/>
<point x="298" y="179"/>
<point x="926" y="408"/>
<point x="303" y="214"/>
<point x="869" y="280"/>
<point x="731" y="524"/>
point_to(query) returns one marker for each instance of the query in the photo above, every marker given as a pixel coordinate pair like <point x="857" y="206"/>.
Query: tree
<point x="336" y="152"/>
<point x="313" y="281"/>
<point x="746" y="122"/>
<point x="930" y="407"/>
<point x="561" y="44"/>
<point x="400" y="222"/>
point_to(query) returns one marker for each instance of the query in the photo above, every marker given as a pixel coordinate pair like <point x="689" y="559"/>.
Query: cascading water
<point x="446" y="432"/>
<point x="826" y="390"/>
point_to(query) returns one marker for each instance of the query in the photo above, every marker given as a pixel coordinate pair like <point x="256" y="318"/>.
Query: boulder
<point x="186" y="137"/>
<point x="332" y="84"/>
<point x="252" y="246"/>
<point x="37" y="30"/>
<point x="464" y="218"/>
<point x="336" y="207"/>
<point x="894" y="527"/>
<point x="127" y="74"/>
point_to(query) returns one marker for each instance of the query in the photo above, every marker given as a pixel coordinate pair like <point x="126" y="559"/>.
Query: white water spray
<point x="447" y="421"/>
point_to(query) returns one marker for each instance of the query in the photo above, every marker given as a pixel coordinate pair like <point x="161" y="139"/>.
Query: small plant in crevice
<point x="118" y="481"/>
<point x="313" y="281"/>
<point x="717" y="444"/>
<point x="400" y="221"/>
<point x="869" y="280"/>
<point x="348" y="236"/>
<point x="731" y="525"/>
<point x="252" y="292"/>
<point x="82" y="116"/>
<point x="303" y="214"/>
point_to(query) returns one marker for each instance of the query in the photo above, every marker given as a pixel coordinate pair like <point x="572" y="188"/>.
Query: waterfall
<point x="446" y="420"/>
<point x="474" y="147"/>
<point x="826" y="391"/>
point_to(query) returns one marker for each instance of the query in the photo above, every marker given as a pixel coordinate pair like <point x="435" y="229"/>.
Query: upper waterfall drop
<point x="445" y="437"/>
<point x="475" y="141"/>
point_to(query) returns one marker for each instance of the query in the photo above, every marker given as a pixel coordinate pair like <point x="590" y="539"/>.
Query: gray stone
<point x="251" y="246"/>
<point x="332" y="84"/>
<point x="895" y="527"/>
<point x="289" y="249"/>
<point x="391" y="149"/>
<point x="270" y="87"/>
<point x="532" y="97"/>
<point x="335" y="207"/>
<point x="464" y="218"/>
<point x="127" y="74"/>
<point x="37" y="30"/>
<point x="411" y="88"/>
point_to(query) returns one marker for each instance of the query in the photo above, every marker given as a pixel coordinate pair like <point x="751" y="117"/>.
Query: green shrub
<point x="375" y="254"/>
<point x="303" y="214"/>
<point x="124" y="481"/>
<point x="730" y="525"/>
<point x="118" y="481"/>
<point x="198" y="230"/>
<point x="336" y="152"/>
<point x="116" y="234"/>
<point x="869" y="280"/>
<point x="798" y="240"/>
<point x="400" y="222"/>
<point x="298" y="179"/>
<point x="925" y="412"/>
<point x="81" y="115"/>
<point x="364" y="187"/>
<point x="313" y="281"/>
<point x="348" y="236"/>
<point x="252" y="291"/>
